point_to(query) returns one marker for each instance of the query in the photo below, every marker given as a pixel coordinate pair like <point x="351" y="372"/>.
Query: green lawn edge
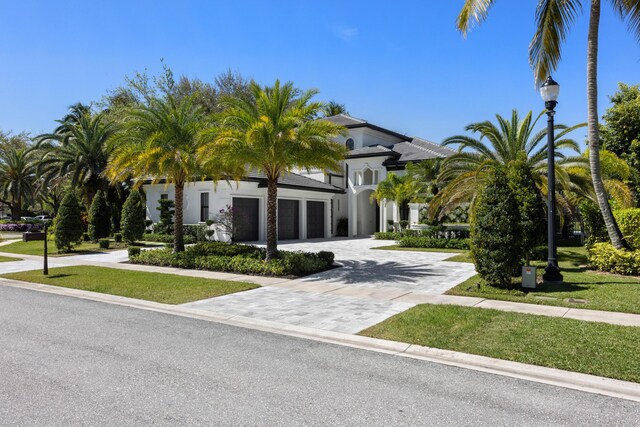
<point x="8" y="259"/>
<point x="158" y="287"/>
<point x="573" y="345"/>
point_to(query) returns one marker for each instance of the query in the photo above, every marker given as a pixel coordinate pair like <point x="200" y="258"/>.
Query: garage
<point x="315" y="220"/>
<point x="246" y="219"/>
<point x="288" y="219"/>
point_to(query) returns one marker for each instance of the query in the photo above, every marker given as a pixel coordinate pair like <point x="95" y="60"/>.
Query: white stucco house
<point x="310" y="203"/>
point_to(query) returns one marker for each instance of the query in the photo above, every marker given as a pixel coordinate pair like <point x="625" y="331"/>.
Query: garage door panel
<point x="246" y="219"/>
<point x="288" y="219"/>
<point x="315" y="220"/>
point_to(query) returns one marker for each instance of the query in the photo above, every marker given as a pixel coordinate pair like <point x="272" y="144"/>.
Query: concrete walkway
<point x="360" y="294"/>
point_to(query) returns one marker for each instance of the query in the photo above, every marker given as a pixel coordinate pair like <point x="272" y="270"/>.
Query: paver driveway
<point x="348" y="299"/>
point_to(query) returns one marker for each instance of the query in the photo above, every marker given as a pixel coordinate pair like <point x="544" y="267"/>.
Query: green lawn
<point x="159" y="287"/>
<point x="587" y="347"/>
<point x="37" y="248"/>
<point x="593" y="290"/>
<point x="8" y="259"/>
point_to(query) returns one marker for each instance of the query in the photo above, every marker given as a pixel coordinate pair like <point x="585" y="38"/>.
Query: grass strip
<point x="158" y="287"/>
<point x="588" y="347"/>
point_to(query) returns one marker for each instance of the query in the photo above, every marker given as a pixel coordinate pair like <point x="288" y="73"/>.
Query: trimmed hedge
<point x="165" y="238"/>
<point x="20" y="226"/>
<point x="237" y="258"/>
<point x="605" y="257"/>
<point x="438" y="231"/>
<point x="629" y="223"/>
<point x="433" y="242"/>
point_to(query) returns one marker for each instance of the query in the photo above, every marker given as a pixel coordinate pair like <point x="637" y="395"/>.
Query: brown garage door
<point x="315" y="220"/>
<point x="246" y="219"/>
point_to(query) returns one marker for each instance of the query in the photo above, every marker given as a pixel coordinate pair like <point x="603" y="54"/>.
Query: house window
<point x="204" y="207"/>
<point x="164" y="196"/>
<point x="368" y="177"/>
<point x="350" y="144"/>
<point x="375" y="177"/>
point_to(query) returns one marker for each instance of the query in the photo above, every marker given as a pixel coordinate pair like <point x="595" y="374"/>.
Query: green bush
<point x="133" y="251"/>
<point x="164" y="238"/>
<point x="167" y="210"/>
<point x="594" y="228"/>
<point x="69" y="226"/>
<point x="540" y="253"/>
<point x="495" y="228"/>
<point x="103" y="243"/>
<point x="531" y="207"/>
<point x="433" y="242"/>
<point x="117" y="237"/>
<point x="342" y="228"/>
<point x="237" y="258"/>
<point x="404" y="224"/>
<point x="605" y="257"/>
<point x="168" y="245"/>
<point x="133" y="217"/>
<point x="629" y="222"/>
<point x="387" y="235"/>
<point x="86" y="237"/>
<point x="198" y="233"/>
<point x="99" y="217"/>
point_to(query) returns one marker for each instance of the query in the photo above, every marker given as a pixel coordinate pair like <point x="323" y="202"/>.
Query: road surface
<point x="72" y="361"/>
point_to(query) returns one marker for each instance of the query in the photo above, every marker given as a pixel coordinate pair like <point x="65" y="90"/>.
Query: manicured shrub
<point x="164" y="238"/>
<point x="133" y="217"/>
<point x="244" y="259"/>
<point x="629" y="222"/>
<point x="605" y="257"/>
<point x="594" y="228"/>
<point x="495" y="220"/>
<point x="531" y="208"/>
<point x="133" y="251"/>
<point x="168" y="245"/>
<point x="167" y="209"/>
<point x="69" y="226"/>
<point x="404" y="224"/>
<point x="99" y="217"/>
<point x="103" y="243"/>
<point x="117" y="237"/>
<point x="342" y="228"/>
<point x="540" y="253"/>
<point x="198" y="232"/>
<point x="387" y="235"/>
<point x="433" y="242"/>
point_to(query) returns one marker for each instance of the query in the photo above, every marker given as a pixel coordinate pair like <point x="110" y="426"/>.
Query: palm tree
<point x="159" y="141"/>
<point x="553" y="19"/>
<point x="272" y="132"/>
<point x="78" y="148"/>
<point x="17" y="177"/>
<point x="399" y="189"/>
<point x="333" y="108"/>
<point x="510" y="140"/>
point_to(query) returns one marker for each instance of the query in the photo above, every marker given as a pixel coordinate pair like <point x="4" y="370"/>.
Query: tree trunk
<point x="593" y="131"/>
<point x="16" y="210"/>
<point x="272" y="218"/>
<point x="178" y="229"/>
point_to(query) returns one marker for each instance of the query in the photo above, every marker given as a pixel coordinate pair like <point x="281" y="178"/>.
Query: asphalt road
<point x="71" y="361"/>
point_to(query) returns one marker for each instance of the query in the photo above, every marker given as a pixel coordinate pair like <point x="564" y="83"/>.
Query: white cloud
<point x="346" y="33"/>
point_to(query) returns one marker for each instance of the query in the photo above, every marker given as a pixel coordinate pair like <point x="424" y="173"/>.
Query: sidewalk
<point x="344" y="298"/>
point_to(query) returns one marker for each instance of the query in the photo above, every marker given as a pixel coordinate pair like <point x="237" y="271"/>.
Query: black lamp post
<point x="45" y="265"/>
<point x="549" y="92"/>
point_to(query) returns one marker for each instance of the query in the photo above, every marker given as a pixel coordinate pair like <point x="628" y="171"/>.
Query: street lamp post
<point x="549" y="92"/>
<point x="45" y="266"/>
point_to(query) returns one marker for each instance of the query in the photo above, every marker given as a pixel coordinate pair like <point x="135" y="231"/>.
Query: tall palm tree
<point x="17" y="177"/>
<point x="159" y="141"/>
<point x="399" y="189"/>
<point x="553" y="19"/>
<point x="274" y="131"/>
<point x="333" y="108"/>
<point x="78" y="148"/>
<point x="510" y="140"/>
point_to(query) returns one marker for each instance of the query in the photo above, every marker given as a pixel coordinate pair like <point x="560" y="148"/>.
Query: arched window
<point x="367" y="177"/>
<point x="350" y="144"/>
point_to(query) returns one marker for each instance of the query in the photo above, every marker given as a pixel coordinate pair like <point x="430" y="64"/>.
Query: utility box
<point x="529" y="277"/>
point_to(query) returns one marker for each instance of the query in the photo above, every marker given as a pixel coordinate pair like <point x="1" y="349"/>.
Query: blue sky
<point x="398" y="64"/>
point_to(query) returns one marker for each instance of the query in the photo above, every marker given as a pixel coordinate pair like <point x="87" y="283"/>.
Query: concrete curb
<point x="556" y="377"/>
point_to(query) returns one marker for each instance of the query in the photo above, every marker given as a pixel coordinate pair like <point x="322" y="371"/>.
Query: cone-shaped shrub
<point x="133" y="217"/>
<point x="69" y="227"/>
<point x="99" y="218"/>
<point x="495" y="228"/>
